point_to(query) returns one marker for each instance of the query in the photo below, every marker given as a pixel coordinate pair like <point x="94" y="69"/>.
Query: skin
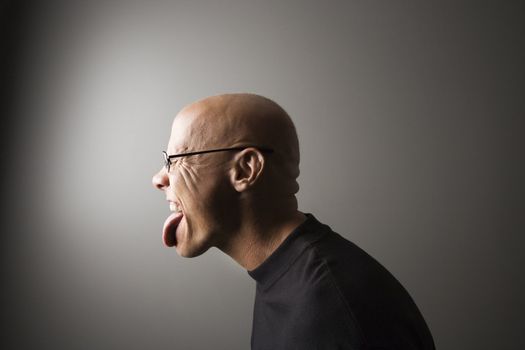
<point x="242" y="202"/>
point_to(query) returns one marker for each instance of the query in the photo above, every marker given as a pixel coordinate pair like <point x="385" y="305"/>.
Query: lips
<point x="169" y="231"/>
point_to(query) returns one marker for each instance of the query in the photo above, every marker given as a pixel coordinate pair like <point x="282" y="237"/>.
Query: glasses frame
<point x="168" y="158"/>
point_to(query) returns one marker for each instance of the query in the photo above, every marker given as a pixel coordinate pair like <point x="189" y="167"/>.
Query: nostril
<point x="160" y="180"/>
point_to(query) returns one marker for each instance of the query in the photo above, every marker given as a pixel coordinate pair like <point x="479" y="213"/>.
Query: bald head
<point x="242" y="200"/>
<point x="232" y="120"/>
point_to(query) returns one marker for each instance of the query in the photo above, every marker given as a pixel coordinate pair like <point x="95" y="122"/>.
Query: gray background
<point x="409" y="116"/>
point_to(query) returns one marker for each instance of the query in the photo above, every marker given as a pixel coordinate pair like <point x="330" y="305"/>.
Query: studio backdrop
<point x="409" y="117"/>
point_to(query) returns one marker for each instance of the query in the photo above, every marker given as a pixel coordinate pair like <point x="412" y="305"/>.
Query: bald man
<point x="230" y="177"/>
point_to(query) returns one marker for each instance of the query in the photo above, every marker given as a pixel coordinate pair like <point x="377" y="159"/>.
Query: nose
<point x="160" y="180"/>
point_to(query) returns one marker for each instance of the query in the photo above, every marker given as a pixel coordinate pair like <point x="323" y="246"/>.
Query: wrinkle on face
<point x="189" y="177"/>
<point x="194" y="174"/>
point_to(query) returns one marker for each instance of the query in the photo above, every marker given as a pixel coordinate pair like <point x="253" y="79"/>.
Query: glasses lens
<point x="166" y="160"/>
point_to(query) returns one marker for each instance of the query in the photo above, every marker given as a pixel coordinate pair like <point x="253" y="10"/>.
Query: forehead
<point x="188" y="131"/>
<point x="179" y="137"/>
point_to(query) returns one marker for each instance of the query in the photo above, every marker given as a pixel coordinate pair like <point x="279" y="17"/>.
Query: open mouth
<point x="169" y="231"/>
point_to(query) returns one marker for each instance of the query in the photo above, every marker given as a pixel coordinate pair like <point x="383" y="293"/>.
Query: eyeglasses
<point x="168" y="158"/>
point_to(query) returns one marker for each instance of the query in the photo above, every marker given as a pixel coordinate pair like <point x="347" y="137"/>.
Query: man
<point x="230" y="177"/>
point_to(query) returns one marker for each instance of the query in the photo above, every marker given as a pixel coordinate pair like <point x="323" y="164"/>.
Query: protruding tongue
<point x="169" y="231"/>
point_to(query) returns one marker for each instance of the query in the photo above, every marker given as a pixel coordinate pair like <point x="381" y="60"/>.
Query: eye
<point x="177" y="161"/>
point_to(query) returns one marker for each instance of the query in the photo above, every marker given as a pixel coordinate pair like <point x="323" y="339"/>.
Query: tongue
<point x="170" y="229"/>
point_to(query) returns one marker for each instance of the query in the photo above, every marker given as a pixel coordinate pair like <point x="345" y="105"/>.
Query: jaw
<point x="193" y="240"/>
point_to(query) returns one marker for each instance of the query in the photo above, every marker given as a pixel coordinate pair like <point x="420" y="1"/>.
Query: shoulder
<point x="319" y="309"/>
<point x="376" y="301"/>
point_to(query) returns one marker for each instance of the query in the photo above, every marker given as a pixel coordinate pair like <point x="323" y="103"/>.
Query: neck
<point x="261" y="232"/>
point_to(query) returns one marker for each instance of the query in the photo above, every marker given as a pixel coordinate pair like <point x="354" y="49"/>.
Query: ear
<point x="247" y="169"/>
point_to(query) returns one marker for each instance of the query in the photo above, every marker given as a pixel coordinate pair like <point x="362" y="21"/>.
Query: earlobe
<point x="247" y="169"/>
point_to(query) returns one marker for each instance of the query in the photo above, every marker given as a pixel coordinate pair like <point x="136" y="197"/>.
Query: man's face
<point x="198" y="192"/>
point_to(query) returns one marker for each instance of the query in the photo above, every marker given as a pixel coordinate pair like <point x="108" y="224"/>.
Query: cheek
<point x="203" y="192"/>
<point x="191" y="189"/>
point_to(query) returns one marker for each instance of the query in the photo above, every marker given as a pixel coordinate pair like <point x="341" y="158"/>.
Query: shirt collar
<point x="290" y="249"/>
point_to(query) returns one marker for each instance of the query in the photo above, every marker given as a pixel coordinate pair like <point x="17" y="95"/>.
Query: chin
<point x="191" y="252"/>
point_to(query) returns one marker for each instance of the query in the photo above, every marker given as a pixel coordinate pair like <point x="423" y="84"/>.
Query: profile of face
<point x="198" y="190"/>
<point x="214" y="195"/>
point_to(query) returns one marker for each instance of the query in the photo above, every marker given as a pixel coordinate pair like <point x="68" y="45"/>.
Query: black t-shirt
<point x="320" y="291"/>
